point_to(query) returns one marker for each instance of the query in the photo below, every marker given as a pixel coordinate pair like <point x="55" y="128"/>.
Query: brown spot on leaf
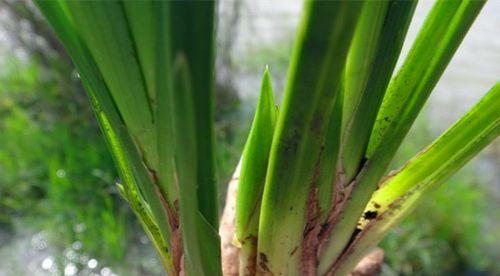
<point x="310" y="241"/>
<point x="317" y="125"/>
<point x="370" y="214"/>
<point x="263" y="262"/>
<point x="263" y="257"/>
<point x="173" y="221"/>
<point x="355" y="234"/>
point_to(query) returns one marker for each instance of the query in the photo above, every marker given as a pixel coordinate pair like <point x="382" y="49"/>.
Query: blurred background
<point x="60" y="213"/>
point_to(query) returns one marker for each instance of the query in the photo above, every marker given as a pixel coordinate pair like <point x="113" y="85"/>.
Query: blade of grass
<point x="148" y="223"/>
<point x="376" y="46"/>
<point x="210" y="249"/>
<point x="116" y="57"/>
<point x="110" y="121"/>
<point x="314" y="77"/>
<point x="448" y="29"/>
<point x="194" y="230"/>
<point x="446" y="155"/>
<point x="328" y="163"/>
<point x="125" y="151"/>
<point x="149" y="25"/>
<point x="142" y="18"/>
<point x="193" y="36"/>
<point x="163" y="93"/>
<point x="253" y="175"/>
<point x="375" y="49"/>
<point x="361" y="53"/>
<point x="444" y="29"/>
<point x="402" y="192"/>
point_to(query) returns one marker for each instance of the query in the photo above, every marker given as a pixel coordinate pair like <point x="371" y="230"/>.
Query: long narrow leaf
<point x="456" y="23"/>
<point x="328" y="162"/>
<point x="112" y="126"/>
<point x="193" y="36"/>
<point x="116" y="58"/>
<point x="402" y="192"/>
<point x="253" y="175"/>
<point x="144" y="23"/>
<point x="444" y="28"/>
<point x="314" y="77"/>
<point x="372" y="58"/>
<point x="193" y="227"/>
<point x="162" y="78"/>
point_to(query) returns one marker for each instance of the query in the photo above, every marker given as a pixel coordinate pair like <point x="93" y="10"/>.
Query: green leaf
<point x="143" y="20"/>
<point x="362" y="52"/>
<point x="444" y="29"/>
<point x="149" y="226"/>
<point x="127" y="159"/>
<point x="123" y="52"/>
<point x="193" y="36"/>
<point x="446" y="25"/>
<point x="313" y="83"/>
<point x="253" y="175"/>
<point x="402" y="192"/>
<point x="329" y="157"/>
<point x="446" y="155"/>
<point x="117" y="60"/>
<point x="184" y="130"/>
<point x="210" y="247"/>
<point x="162" y="83"/>
<point x="372" y="57"/>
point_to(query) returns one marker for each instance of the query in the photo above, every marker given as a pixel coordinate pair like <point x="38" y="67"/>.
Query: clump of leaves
<point x="312" y="198"/>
